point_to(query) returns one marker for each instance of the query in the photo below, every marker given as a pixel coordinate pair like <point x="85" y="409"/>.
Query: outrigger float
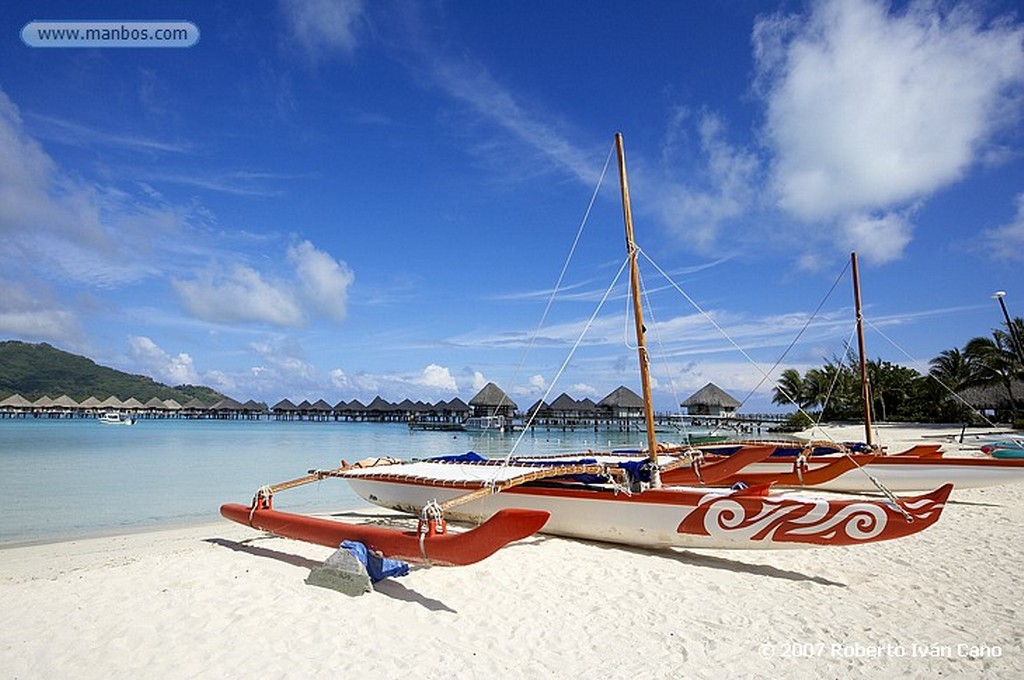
<point x="602" y="497"/>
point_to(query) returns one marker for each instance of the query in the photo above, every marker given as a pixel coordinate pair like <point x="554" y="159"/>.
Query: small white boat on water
<point x="486" y="424"/>
<point x="115" y="418"/>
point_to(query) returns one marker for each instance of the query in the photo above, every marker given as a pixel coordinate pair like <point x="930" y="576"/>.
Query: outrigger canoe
<point x="907" y="472"/>
<point x="623" y="502"/>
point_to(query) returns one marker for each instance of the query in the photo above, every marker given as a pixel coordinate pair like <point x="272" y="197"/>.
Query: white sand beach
<point x="221" y="600"/>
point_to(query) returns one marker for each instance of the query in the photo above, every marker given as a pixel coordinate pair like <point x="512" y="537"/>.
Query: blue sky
<point x="344" y="199"/>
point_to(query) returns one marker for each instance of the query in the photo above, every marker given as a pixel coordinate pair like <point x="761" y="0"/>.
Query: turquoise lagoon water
<point x="71" y="478"/>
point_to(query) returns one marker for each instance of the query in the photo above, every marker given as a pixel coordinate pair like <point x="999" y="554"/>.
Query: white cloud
<point x="240" y="295"/>
<point x="479" y="381"/>
<point x="580" y="390"/>
<point x="175" y="369"/>
<point x="876" y="238"/>
<point x="869" y="109"/>
<point x="324" y="26"/>
<point x="318" y="285"/>
<point x="24" y="314"/>
<point x="324" y="280"/>
<point x="1007" y="241"/>
<point x="698" y="213"/>
<point x="438" y="378"/>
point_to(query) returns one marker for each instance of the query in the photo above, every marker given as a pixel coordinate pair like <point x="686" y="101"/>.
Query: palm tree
<point x="951" y="372"/>
<point x="790" y="390"/>
<point x="953" y="369"/>
<point x="994" y="363"/>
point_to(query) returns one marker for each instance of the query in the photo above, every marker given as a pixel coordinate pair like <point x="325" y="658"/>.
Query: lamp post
<point x="1015" y="341"/>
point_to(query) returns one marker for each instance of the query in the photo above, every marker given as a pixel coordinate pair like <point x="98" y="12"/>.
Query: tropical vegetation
<point x="952" y="391"/>
<point x="37" y="370"/>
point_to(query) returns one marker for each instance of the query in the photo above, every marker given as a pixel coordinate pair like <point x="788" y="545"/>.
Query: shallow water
<point x="69" y="478"/>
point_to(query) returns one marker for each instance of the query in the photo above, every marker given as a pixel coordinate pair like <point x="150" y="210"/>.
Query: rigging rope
<point x="765" y="376"/>
<point x="565" y="363"/>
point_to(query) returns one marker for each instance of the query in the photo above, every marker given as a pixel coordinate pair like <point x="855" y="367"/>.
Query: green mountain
<point x="40" y="370"/>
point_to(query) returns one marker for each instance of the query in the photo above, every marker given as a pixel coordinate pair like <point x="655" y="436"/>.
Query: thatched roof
<point x="155" y="403"/>
<point x="622" y="397"/>
<point x="564" y="402"/>
<point x="539" y="406"/>
<point x="492" y="395"/>
<point x="90" y="402"/>
<point x="284" y="405"/>
<point x="111" y="402"/>
<point x="457" y="405"/>
<point x="226" y="404"/>
<point x="321" y="405"/>
<point x="64" y="401"/>
<point x="16" y="401"/>
<point x="378" y="404"/>
<point x="992" y="396"/>
<point x="711" y="395"/>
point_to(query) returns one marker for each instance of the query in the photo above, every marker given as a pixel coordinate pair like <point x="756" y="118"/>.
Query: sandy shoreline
<point x="220" y="600"/>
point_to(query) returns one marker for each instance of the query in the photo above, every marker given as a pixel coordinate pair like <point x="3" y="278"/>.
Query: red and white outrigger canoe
<point x="670" y="516"/>
<point x="614" y="501"/>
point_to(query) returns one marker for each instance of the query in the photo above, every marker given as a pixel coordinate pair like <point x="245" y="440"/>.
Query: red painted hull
<point x="716" y="469"/>
<point x="444" y="549"/>
<point x="809" y="477"/>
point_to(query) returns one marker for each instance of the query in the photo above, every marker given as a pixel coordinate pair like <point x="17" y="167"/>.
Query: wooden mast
<point x="865" y="382"/>
<point x="638" y="315"/>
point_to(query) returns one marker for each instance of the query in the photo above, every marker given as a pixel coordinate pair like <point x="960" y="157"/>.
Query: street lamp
<point x="999" y="295"/>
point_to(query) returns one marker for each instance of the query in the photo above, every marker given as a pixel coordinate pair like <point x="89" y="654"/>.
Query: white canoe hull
<point x="912" y="475"/>
<point x="677" y="517"/>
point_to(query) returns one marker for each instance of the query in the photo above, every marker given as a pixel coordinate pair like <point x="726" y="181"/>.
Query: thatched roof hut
<point x="710" y="400"/>
<point x="622" y="402"/>
<point x="112" y="402"/>
<point x="492" y="401"/>
<point x="15" y="402"/>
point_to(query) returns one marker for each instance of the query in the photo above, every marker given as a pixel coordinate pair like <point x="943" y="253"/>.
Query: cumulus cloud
<point x="317" y="285"/>
<point x="324" y="280"/>
<point x="438" y="378"/>
<point x="879" y="238"/>
<point x="175" y="369"/>
<point x="324" y="26"/>
<point x="240" y="294"/>
<point x="869" y="109"/>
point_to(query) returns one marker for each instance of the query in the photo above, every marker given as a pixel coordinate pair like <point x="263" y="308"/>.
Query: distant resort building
<point x="622" y="409"/>
<point x="711" y="400"/>
<point x="492" y="401"/>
